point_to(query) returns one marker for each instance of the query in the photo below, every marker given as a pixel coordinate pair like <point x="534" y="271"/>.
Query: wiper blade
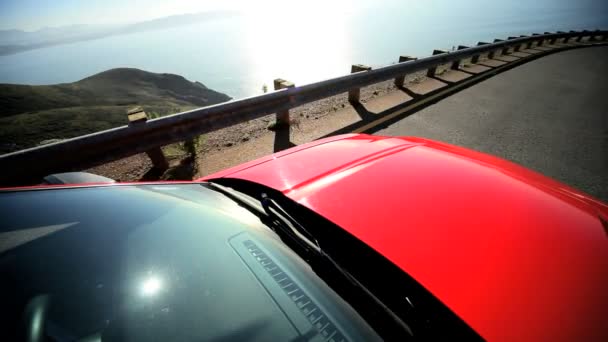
<point x="281" y="220"/>
<point x="240" y="198"/>
<point x="297" y="232"/>
<point x="285" y="223"/>
<point x="286" y="226"/>
<point x="289" y="225"/>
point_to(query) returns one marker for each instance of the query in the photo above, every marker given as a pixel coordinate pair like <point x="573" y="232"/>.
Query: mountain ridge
<point x="30" y="114"/>
<point x="119" y="86"/>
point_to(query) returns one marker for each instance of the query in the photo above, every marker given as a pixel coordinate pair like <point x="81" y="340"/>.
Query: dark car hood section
<point x="508" y="250"/>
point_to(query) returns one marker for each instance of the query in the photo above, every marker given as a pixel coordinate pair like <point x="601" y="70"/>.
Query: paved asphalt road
<point x="550" y="115"/>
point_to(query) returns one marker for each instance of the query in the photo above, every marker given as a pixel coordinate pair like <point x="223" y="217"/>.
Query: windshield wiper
<point x="289" y="229"/>
<point x="289" y="226"/>
<point x="268" y="210"/>
<point x="292" y="228"/>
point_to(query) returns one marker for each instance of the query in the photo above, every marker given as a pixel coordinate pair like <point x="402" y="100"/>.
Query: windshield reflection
<point x="151" y="286"/>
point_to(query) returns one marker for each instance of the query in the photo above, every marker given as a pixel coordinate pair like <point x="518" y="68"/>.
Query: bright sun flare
<point x="151" y="286"/>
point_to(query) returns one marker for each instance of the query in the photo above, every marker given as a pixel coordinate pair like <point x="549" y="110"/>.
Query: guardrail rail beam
<point x="30" y="165"/>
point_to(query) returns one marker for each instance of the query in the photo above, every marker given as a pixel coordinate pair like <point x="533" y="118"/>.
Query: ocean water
<point x="238" y="55"/>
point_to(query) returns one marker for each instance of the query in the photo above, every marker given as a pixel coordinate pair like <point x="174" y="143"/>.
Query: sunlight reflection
<point x="302" y="43"/>
<point x="151" y="286"/>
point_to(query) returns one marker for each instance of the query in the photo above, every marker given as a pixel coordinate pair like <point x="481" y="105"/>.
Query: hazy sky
<point x="34" y="14"/>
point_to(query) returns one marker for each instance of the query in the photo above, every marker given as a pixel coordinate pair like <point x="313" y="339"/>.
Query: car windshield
<point x="156" y="262"/>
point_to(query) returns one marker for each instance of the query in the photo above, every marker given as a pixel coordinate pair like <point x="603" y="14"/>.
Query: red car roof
<point x="516" y="255"/>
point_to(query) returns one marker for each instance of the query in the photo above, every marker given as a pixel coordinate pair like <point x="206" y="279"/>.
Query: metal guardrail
<point x="86" y="151"/>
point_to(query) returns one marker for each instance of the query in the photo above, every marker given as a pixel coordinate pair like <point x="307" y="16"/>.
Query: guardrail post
<point x="282" y="117"/>
<point x="399" y="80"/>
<point x="491" y="54"/>
<point x="456" y="64"/>
<point x="515" y="47"/>
<point x="538" y="42"/>
<point x="136" y="117"/>
<point x="594" y="35"/>
<point x="142" y="137"/>
<point x="355" y="94"/>
<point x="556" y="39"/>
<point x="570" y="36"/>
<point x="583" y="35"/>
<point x="431" y="72"/>
<point x="505" y="50"/>
<point x="475" y="58"/>
<point x="528" y="44"/>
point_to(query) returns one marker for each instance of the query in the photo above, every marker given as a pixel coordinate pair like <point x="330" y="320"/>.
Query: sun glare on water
<point x="302" y="42"/>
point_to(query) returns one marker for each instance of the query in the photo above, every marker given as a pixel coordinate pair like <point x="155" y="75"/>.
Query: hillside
<point x="31" y="114"/>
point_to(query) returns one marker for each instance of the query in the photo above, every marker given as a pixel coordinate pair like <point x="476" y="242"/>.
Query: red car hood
<point x="516" y="255"/>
